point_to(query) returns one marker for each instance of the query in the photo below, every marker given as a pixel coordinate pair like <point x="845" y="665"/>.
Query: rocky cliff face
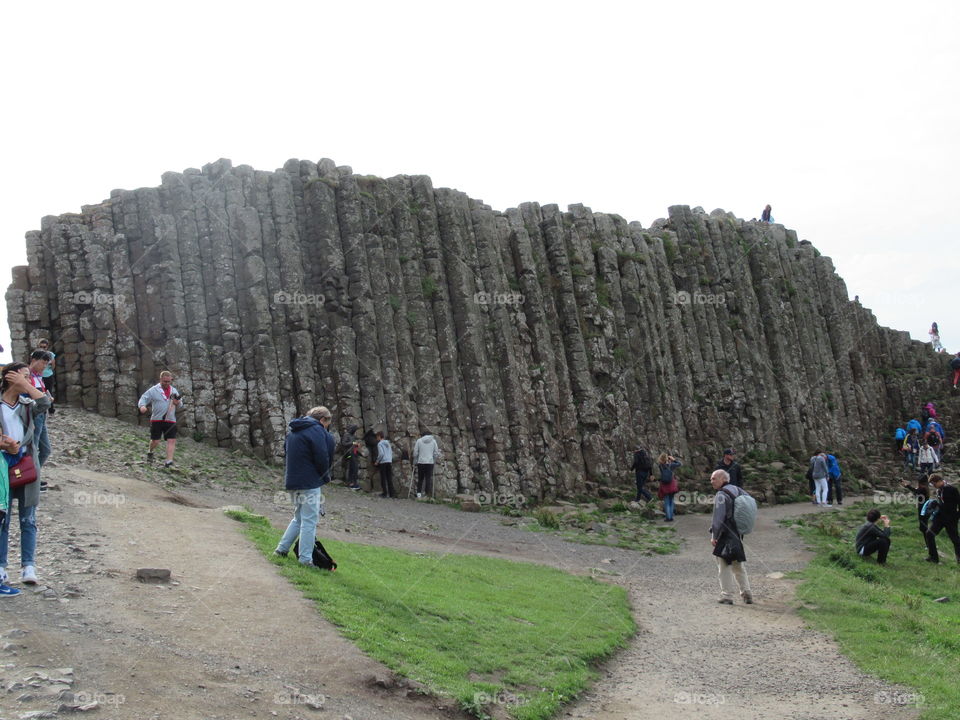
<point x="538" y="345"/>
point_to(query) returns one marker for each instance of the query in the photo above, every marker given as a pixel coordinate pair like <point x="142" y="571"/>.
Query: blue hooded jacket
<point x="310" y="450"/>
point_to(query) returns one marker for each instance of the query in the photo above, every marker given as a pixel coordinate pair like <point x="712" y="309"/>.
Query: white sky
<point x="845" y="116"/>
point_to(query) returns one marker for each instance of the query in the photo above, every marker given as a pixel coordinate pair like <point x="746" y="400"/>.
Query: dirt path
<point x="233" y="640"/>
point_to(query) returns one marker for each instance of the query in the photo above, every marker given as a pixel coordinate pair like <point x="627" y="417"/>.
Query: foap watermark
<point x="82" y="497"/>
<point x="686" y="497"/>
<point x="97" y="698"/>
<point x="295" y="697"/>
<point x="498" y="298"/>
<point x="86" y="297"/>
<point x="683" y="297"/>
<point x="298" y="298"/>
<point x="504" y="697"/>
<point x="892" y="697"/>
<point x="881" y="497"/>
<point x="496" y="499"/>
<point x="699" y="698"/>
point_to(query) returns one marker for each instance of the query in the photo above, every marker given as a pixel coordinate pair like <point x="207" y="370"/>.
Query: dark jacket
<point x="867" y="532"/>
<point x="949" y="498"/>
<point x="310" y="450"/>
<point x="733" y="470"/>
<point x="642" y="462"/>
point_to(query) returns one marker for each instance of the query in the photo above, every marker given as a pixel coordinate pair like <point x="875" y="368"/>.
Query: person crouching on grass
<point x="871" y="539"/>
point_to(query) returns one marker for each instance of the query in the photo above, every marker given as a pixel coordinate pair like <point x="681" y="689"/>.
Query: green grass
<point x="884" y="617"/>
<point x="473" y="628"/>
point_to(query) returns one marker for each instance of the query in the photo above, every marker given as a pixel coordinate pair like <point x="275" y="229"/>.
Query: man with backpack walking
<point x="642" y="465"/>
<point x="727" y="540"/>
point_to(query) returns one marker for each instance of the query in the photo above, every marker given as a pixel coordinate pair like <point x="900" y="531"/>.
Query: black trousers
<point x="425" y="478"/>
<point x="936" y="526"/>
<point x="834" y="483"/>
<point x="642" y="492"/>
<point x="386" y="479"/>
<point x="880" y="546"/>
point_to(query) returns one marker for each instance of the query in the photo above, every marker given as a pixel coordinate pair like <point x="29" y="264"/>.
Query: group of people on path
<point x="26" y="399"/>
<point x="921" y="443"/>
<point x="725" y="537"/>
<point x="426" y="454"/>
<point x="824" y="476"/>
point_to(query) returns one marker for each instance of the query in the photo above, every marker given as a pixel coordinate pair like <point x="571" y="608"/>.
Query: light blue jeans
<point x="307" y="506"/>
<point x="28" y="533"/>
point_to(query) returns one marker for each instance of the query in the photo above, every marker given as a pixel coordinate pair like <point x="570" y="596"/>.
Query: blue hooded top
<point x="310" y="451"/>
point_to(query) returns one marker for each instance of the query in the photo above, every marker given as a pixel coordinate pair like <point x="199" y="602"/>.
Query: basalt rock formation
<point x="538" y="345"/>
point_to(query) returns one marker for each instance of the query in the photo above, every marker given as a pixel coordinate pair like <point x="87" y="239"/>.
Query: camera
<point x="176" y="396"/>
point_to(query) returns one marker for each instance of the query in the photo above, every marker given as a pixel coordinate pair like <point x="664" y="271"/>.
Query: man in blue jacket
<point x="310" y="452"/>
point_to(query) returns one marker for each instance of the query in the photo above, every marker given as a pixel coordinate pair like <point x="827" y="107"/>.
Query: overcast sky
<point x="845" y="116"/>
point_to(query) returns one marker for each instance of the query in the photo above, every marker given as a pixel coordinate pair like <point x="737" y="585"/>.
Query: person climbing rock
<point x="767" y="215"/>
<point x="955" y="366"/>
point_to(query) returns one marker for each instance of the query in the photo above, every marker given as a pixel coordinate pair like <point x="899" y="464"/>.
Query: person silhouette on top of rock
<point x="767" y="214"/>
<point x="934" y="334"/>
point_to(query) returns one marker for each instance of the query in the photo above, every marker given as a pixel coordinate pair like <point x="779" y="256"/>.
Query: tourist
<point x="834" y="490"/>
<point x="385" y="465"/>
<point x="871" y="539"/>
<point x="642" y="465"/>
<point x="927" y="458"/>
<point x="945" y="518"/>
<point x="934" y="334"/>
<point x="668" y="484"/>
<point x="49" y="379"/>
<point x="922" y="493"/>
<point x="731" y="467"/>
<point x="309" y="457"/>
<point x="955" y="366"/>
<point x="350" y="451"/>
<point x="727" y="541"/>
<point x="426" y="453"/>
<point x="818" y="473"/>
<point x="21" y="404"/>
<point x="39" y="359"/>
<point x="767" y="215"/>
<point x="163" y="399"/>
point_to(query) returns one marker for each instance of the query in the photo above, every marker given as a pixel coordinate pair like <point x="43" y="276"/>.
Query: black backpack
<point x="320" y="558"/>
<point x="642" y="461"/>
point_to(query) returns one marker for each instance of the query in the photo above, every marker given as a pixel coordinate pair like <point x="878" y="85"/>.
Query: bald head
<point x="719" y="478"/>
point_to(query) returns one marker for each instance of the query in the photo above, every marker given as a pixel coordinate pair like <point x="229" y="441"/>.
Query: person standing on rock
<point x="934" y="334"/>
<point x="163" y="399"/>
<point x="668" y="484"/>
<point x="730" y="466"/>
<point x="727" y="541"/>
<point x="767" y="215"/>
<point x="21" y="404"/>
<point x="642" y="465"/>
<point x="946" y="517"/>
<point x="49" y="380"/>
<point x="426" y="452"/>
<point x="310" y="452"/>
<point x="871" y="539"/>
<point x="819" y="472"/>
<point x="911" y="448"/>
<point x="385" y="465"/>
<point x="928" y="458"/>
<point x="955" y="366"/>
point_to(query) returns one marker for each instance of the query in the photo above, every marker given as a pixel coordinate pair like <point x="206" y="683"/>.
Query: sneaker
<point x="3" y="575"/>
<point x="280" y="554"/>
<point x="747" y="598"/>
<point x="933" y="560"/>
<point x="419" y="495"/>
<point x="149" y="457"/>
<point x="53" y="409"/>
<point x="28" y="575"/>
<point x="7" y="591"/>
<point x="168" y="464"/>
<point x="354" y="487"/>
<point x="43" y="486"/>
<point x="725" y="601"/>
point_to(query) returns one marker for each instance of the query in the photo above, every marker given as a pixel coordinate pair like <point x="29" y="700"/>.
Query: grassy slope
<point x="884" y="618"/>
<point x="479" y="629"/>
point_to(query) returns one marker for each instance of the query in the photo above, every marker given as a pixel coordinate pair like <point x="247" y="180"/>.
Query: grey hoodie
<point x="426" y="451"/>
<point x="818" y="465"/>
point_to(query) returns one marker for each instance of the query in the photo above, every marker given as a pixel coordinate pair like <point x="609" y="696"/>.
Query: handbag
<point x="23" y="473"/>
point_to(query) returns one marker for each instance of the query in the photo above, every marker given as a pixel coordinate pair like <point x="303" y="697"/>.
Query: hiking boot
<point x="149" y="457"/>
<point x="725" y="601"/>
<point x="747" y="598"/>
<point x="7" y="591"/>
<point x="28" y="575"/>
